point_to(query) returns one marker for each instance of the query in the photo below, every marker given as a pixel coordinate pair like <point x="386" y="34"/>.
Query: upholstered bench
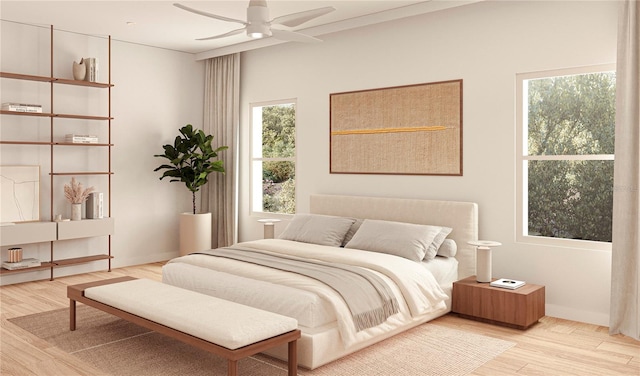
<point x="231" y="330"/>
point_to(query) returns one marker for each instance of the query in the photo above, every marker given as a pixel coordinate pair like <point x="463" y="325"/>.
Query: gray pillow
<point x="406" y="240"/>
<point x="317" y="229"/>
<point x="352" y="230"/>
<point x="449" y="248"/>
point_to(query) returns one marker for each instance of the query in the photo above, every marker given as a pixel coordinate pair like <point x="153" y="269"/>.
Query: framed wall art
<point x="408" y="130"/>
<point x="20" y="193"/>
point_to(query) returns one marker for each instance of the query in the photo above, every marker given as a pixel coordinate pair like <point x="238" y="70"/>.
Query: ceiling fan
<point x="258" y="24"/>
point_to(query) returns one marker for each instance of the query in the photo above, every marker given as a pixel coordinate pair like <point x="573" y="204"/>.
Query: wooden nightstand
<point x="519" y="308"/>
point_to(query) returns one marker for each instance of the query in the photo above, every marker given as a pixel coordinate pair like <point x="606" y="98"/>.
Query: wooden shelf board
<point x="79" y="260"/>
<point x="47" y="114"/>
<point x="27" y="77"/>
<point x="25" y="143"/>
<point x="38" y="114"/>
<point x="81" y="173"/>
<point x="63" y="81"/>
<point x="79" y="144"/>
<point x="44" y="266"/>
<point x="84" y="117"/>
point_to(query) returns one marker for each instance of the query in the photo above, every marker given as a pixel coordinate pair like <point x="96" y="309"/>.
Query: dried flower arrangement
<point x="75" y="193"/>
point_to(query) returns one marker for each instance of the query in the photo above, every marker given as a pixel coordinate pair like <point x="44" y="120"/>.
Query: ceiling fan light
<point x="258" y="30"/>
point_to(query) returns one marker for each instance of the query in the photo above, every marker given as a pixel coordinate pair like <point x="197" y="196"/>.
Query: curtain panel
<point x="625" y="273"/>
<point x="222" y="120"/>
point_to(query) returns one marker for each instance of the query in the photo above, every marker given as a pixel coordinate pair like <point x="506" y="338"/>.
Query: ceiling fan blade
<point x="232" y="32"/>
<point x="207" y="14"/>
<point x="295" y="19"/>
<point x="292" y="36"/>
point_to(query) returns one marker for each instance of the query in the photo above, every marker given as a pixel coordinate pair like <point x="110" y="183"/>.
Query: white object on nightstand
<point x="483" y="259"/>
<point x="269" y="227"/>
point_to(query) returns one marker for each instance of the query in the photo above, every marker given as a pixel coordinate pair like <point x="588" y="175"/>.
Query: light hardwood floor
<point x="551" y="347"/>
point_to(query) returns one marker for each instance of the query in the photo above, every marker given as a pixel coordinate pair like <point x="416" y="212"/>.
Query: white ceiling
<point x="160" y="24"/>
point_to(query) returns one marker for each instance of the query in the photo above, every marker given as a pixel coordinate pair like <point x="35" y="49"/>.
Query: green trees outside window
<point x="569" y="155"/>
<point x="277" y="160"/>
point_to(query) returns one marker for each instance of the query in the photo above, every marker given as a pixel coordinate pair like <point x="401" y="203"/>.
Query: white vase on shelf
<point x="79" y="70"/>
<point x="76" y="212"/>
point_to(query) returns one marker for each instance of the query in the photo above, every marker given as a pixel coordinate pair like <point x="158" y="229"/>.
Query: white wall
<point x="156" y="92"/>
<point x="485" y="44"/>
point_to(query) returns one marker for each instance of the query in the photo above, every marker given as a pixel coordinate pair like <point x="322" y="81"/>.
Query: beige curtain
<point x="625" y="273"/>
<point x="222" y="119"/>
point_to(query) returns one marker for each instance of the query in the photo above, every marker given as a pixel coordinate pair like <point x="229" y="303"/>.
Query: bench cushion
<point x="215" y="320"/>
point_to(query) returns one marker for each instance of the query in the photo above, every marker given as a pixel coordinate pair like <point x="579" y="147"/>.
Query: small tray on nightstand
<point x="519" y="308"/>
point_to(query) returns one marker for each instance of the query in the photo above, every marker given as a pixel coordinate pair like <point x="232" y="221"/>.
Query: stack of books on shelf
<point x="81" y="139"/>
<point x="21" y="107"/>
<point x="25" y="263"/>
<point x="92" y="69"/>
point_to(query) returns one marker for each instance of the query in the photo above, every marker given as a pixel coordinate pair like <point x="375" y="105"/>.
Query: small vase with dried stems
<point x="76" y="194"/>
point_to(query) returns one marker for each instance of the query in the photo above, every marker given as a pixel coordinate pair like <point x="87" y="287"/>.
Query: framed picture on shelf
<point x="20" y="194"/>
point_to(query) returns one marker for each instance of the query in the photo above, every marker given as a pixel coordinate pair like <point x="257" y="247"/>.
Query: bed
<point x="378" y="246"/>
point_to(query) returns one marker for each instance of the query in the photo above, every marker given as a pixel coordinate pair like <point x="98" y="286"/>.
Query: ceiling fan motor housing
<point x="258" y="19"/>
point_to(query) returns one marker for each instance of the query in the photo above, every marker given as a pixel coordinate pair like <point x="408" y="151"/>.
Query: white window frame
<point x="255" y="179"/>
<point x="522" y="235"/>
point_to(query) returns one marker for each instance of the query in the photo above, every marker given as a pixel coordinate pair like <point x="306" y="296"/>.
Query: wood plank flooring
<point x="551" y="347"/>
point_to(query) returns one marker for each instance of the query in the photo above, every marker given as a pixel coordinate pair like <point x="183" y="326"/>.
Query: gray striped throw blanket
<point x="368" y="297"/>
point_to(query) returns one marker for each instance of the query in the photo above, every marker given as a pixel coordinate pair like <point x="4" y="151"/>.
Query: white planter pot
<point x="195" y="232"/>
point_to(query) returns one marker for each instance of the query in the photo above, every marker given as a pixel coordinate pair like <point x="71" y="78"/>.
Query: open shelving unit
<point x="50" y="231"/>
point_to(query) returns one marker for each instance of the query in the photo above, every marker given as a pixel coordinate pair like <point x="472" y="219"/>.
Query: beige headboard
<point x="462" y="217"/>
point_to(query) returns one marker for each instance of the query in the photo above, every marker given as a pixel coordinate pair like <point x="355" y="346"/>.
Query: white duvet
<point x="292" y="294"/>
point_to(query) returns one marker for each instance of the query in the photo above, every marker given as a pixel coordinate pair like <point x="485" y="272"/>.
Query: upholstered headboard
<point x="462" y="217"/>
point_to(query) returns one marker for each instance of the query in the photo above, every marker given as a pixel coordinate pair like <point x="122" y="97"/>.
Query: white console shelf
<point x="40" y="232"/>
<point x="30" y="232"/>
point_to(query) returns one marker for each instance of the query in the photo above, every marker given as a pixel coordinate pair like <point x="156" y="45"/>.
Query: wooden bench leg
<point x="293" y="358"/>
<point x="233" y="368"/>
<point x="72" y="314"/>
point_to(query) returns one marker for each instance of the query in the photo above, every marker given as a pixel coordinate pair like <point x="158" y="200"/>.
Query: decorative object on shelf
<point x="81" y="138"/>
<point x="22" y="107"/>
<point x="23" y="264"/>
<point x="95" y="206"/>
<point x="91" y="64"/>
<point x="79" y="70"/>
<point x="191" y="160"/>
<point x="76" y="212"/>
<point x="76" y="195"/>
<point x="483" y="259"/>
<point x="269" y="227"/>
<point x="19" y="193"/>
<point x="15" y="254"/>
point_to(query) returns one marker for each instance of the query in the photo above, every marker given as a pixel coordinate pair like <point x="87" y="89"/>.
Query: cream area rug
<point x="120" y="348"/>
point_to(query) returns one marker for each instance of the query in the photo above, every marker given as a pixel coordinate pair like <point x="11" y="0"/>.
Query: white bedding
<point x="312" y="303"/>
<point x="322" y="340"/>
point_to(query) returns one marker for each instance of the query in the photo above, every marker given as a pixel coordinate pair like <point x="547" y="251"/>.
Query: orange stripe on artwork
<point x="389" y="130"/>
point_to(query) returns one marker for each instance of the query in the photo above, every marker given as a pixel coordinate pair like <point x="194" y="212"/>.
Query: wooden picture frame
<point x="405" y="130"/>
<point x="20" y="193"/>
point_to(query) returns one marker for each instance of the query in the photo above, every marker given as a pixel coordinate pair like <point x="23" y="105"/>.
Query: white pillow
<point x="317" y="229"/>
<point x="449" y="248"/>
<point x="406" y="240"/>
<point x="437" y="242"/>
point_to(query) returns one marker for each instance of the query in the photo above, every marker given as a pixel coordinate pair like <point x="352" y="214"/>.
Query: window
<point x="273" y="157"/>
<point x="566" y="121"/>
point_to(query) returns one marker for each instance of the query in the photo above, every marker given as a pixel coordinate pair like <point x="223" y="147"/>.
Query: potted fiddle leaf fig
<point x="191" y="159"/>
